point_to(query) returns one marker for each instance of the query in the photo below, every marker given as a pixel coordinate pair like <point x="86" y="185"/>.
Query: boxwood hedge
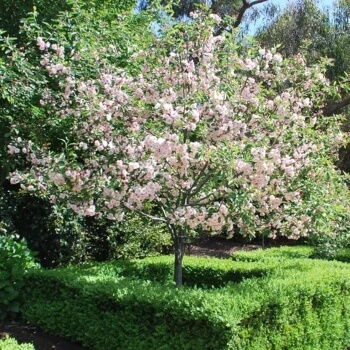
<point x="277" y="303"/>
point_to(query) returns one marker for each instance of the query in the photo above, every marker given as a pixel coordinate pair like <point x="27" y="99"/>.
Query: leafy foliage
<point x="11" y="344"/>
<point x="14" y="11"/>
<point x="137" y="237"/>
<point x="15" y="260"/>
<point x="60" y="236"/>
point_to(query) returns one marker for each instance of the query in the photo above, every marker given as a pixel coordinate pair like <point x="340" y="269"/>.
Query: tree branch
<point x="207" y="200"/>
<point x="335" y="107"/>
<point x="246" y="5"/>
<point x="199" y="201"/>
<point x="201" y="184"/>
<point x="155" y="218"/>
<point x="195" y="182"/>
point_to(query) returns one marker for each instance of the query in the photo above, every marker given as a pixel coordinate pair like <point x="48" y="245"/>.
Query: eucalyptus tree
<point x="231" y="11"/>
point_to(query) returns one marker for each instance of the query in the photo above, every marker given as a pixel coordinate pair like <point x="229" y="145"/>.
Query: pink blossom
<point x="90" y="211"/>
<point x="41" y="43"/>
<point x="215" y="17"/>
<point x="206" y="145"/>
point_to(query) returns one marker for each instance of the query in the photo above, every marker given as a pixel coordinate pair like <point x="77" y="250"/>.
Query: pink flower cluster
<point x="210" y="144"/>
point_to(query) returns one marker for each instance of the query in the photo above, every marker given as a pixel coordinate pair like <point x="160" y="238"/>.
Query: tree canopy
<point x="235" y="141"/>
<point x="189" y="127"/>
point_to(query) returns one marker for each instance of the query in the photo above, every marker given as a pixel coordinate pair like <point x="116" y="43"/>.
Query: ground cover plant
<point x="282" y="303"/>
<point x="12" y="344"/>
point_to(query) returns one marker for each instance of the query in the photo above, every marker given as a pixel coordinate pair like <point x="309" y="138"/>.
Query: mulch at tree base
<point x="218" y="248"/>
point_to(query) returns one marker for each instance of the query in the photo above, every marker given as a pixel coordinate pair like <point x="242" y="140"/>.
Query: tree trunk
<point x="179" y="246"/>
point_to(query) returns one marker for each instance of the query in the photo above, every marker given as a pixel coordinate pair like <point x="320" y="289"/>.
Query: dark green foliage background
<point x="62" y="237"/>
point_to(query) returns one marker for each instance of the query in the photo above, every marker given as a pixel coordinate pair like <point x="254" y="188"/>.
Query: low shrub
<point x="197" y="272"/>
<point x="298" y="304"/>
<point x="12" y="344"/>
<point x="15" y="260"/>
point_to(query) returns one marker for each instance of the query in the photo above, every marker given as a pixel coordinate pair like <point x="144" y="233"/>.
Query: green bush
<point x="298" y="304"/>
<point x="11" y="344"/>
<point x="13" y="11"/>
<point x="15" y="260"/>
<point x="60" y="236"/>
<point x="343" y="255"/>
<point x="137" y="237"/>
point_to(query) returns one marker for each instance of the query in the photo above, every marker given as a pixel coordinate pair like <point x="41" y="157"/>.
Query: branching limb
<point x="201" y="173"/>
<point x="152" y="217"/>
<point x="336" y="107"/>
<point x="245" y="6"/>
<point x="207" y="200"/>
<point x="201" y="184"/>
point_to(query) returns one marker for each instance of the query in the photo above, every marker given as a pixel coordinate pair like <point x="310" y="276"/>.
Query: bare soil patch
<point x="25" y="333"/>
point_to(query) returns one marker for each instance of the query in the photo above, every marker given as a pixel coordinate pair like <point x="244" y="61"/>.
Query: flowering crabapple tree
<point x="215" y="136"/>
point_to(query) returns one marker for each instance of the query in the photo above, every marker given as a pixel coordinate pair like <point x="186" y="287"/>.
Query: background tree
<point x="301" y="21"/>
<point x="325" y="30"/>
<point x="232" y="10"/>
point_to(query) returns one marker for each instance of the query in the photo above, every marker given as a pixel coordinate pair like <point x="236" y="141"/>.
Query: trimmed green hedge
<point x="11" y="344"/>
<point x="198" y="272"/>
<point x="343" y="255"/>
<point x="298" y="304"/>
<point x="290" y="252"/>
<point x="287" y="252"/>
